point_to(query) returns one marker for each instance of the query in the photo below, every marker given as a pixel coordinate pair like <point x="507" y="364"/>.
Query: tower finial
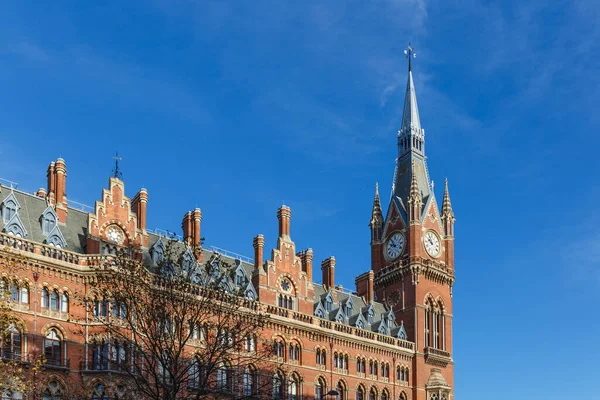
<point x="116" y="172"/>
<point x="410" y="54"/>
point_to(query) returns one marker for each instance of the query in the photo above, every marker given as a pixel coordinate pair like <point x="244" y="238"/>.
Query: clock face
<point x="286" y="286"/>
<point x="431" y="241"/>
<point x="115" y="234"/>
<point x="394" y="246"/>
<point x="394" y="298"/>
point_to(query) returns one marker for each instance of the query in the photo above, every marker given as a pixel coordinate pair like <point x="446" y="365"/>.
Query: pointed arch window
<point x="99" y="393"/>
<point x="45" y="298"/>
<point x="360" y="393"/>
<point x="294" y="388"/>
<point x="54" y="300"/>
<point x="320" y="388"/>
<point x="341" y="389"/>
<point x="372" y="394"/>
<point x="321" y="357"/>
<point x="278" y="386"/>
<point x="249" y="381"/>
<point x="52" y="348"/>
<point x="294" y="352"/>
<point x="64" y="303"/>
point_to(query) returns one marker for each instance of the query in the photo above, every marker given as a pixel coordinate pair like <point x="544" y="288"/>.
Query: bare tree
<point x="179" y="329"/>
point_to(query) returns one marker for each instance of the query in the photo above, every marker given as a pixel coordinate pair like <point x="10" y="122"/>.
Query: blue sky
<point x="239" y="107"/>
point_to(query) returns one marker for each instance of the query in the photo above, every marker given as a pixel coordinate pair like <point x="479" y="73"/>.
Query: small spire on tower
<point x="446" y="205"/>
<point x="447" y="214"/>
<point x="376" y="214"/>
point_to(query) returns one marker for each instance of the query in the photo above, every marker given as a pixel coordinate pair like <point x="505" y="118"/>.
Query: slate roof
<point x="75" y="230"/>
<point x="32" y="208"/>
<point x="359" y="306"/>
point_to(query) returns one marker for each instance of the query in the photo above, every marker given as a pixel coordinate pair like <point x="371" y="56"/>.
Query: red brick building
<point x="389" y="339"/>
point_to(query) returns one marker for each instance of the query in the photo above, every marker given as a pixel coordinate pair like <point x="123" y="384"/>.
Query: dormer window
<point x="9" y="210"/>
<point x="187" y="262"/>
<point x="329" y="302"/>
<point x="348" y="308"/>
<point x="48" y="223"/>
<point x="370" y="315"/>
<point x="157" y="252"/>
<point x="240" y="279"/>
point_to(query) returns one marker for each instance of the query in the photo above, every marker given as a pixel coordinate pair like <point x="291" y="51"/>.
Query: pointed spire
<point x="446" y="205"/>
<point x="376" y="214"/>
<point x="411" y="122"/>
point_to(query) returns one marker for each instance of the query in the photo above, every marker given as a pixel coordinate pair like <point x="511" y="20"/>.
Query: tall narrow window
<point x="277" y="386"/>
<point x="11" y="343"/>
<point x="360" y="393"/>
<point x="294" y="388"/>
<point x="320" y="388"/>
<point x="64" y="303"/>
<point x="45" y="300"/>
<point x="24" y="296"/>
<point x="248" y="382"/>
<point x="54" y="300"/>
<point x="52" y="348"/>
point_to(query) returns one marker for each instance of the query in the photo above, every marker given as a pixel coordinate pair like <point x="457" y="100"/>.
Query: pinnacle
<point x="414" y="184"/>
<point x="376" y="214"/>
<point x="446" y="205"/>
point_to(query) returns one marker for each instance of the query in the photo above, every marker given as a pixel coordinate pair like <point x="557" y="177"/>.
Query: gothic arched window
<point x="52" y="348"/>
<point x="54" y="300"/>
<point x="45" y="300"/>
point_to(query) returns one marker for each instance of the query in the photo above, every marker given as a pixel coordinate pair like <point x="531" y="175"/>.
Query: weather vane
<point x="116" y="172"/>
<point x="410" y="53"/>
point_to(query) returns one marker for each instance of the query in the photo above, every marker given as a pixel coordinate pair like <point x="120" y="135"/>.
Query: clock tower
<point x="412" y="257"/>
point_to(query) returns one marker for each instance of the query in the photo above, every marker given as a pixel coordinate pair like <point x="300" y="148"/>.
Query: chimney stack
<point x="51" y="183"/>
<point x="138" y="206"/>
<point x="259" y="243"/>
<point x="196" y="234"/>
<point x="60" y="169"/>
<point x="284" y="214"/>
<point x="186" y="226"/>
<point x="364" y="285"/>
<point x="306" y="257"/>
<point x="328" y="269"/>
